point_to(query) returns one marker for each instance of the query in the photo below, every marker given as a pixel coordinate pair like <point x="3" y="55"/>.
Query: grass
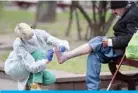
<point x="75" y="65"/>
<point x="10" y="18"/>
<point x="4" y="56"/>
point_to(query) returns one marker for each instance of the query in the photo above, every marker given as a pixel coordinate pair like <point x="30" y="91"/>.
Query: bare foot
<point x="59" y="55"/>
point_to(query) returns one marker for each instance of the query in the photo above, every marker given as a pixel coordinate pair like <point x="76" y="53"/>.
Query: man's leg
<point x="93" y="63"/>
<point x="93" y="72"/>
<point x="82" y="50"/>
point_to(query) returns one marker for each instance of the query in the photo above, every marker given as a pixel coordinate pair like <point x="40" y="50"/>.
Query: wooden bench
<point x="129" y="79"/>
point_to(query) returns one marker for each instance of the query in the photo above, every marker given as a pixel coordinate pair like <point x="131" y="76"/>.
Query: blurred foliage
<point x="10" y="18"/>
<point x="2" y="3"/>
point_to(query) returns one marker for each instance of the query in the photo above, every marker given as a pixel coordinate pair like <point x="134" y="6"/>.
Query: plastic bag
<point x="132" y="48"/>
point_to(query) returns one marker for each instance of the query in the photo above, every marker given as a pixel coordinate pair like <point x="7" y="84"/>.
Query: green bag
<point x="132" y="48"/>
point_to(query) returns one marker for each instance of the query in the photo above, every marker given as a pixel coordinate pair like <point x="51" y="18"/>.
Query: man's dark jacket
<point x="125" y="27"/>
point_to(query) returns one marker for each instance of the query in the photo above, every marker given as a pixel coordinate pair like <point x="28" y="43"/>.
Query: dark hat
<point x="118" y="4"/>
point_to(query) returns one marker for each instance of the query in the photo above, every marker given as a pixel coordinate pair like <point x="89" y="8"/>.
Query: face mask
<point x="32" y="39"/>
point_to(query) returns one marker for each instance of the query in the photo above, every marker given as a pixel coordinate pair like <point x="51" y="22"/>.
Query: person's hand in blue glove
<point x="50" y="55"/>
<point x="62" y="48"/>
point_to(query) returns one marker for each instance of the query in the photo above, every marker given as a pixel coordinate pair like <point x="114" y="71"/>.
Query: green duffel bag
<point x="132" y="48"/>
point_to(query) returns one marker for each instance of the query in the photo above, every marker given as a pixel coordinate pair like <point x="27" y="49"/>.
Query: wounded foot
<point x="59" y="55"/>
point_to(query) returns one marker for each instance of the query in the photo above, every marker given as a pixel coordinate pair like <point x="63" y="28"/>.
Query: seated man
<point x="102" y="49"/>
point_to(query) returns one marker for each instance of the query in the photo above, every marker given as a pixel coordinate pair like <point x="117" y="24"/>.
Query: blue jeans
<point x="95" y="58"/>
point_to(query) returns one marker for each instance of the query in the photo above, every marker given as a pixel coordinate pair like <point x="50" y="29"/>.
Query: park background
<point x="75" y="21"/>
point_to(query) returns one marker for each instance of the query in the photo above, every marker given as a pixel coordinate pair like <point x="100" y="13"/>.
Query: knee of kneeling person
<point x="51" y="80"/>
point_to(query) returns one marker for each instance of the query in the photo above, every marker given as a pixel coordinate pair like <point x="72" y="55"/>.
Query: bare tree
<point x="97" y="25"/>
<point x="73" y="9"/>
<point x="37" y="13"/>
<point x="78" y="25"/>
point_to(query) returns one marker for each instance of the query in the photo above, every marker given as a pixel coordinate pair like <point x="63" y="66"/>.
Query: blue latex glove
<point x="62" y="48"/>
<point x="50" y="54"/>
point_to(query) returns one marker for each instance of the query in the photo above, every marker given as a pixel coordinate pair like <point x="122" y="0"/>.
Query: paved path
<point x="6" y="84"/>
<point x="6" y="40"/>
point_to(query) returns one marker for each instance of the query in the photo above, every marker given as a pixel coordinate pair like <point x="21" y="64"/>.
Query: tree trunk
<point x="78" y="25"/>
<point x="37" y="13"/>
<point x="70" y="19"/>
<point x="108" y="24"/>
<point x="47" y="11"/>
<point x="85" y="15"/>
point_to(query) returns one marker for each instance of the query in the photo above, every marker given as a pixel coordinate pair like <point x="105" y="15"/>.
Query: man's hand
<point x="105" y="43"/>
<point x="50" y="55"/>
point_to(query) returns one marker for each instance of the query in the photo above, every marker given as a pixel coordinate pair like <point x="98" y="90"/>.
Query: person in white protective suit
<point x="21" y="64"/>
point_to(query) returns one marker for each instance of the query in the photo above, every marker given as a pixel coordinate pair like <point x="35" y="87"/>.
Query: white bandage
<point x="110" y="42"/>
